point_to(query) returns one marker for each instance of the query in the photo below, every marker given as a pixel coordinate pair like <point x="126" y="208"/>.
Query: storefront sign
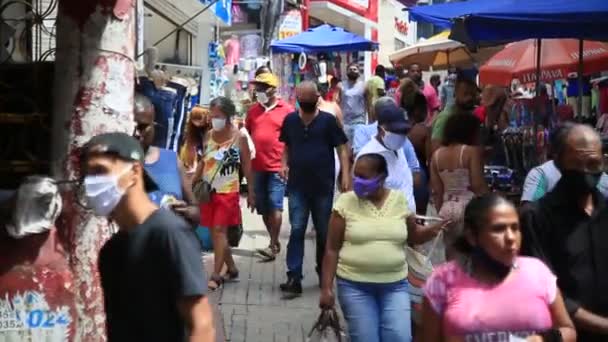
<point x="401" y="26"/>
<point x="28" y="317"/>
<point x="291" y="24"/>
<point x="222" y="10"/>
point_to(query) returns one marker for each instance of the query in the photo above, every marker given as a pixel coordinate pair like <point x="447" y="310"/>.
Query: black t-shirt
<point x="311" y="152"/>
<point x="144" y="272"/>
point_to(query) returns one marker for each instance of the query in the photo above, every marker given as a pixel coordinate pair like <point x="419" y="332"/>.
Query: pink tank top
<point x="517" y="307"/>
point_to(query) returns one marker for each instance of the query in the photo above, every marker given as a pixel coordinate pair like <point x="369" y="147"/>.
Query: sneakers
<point x="292" y="286"/>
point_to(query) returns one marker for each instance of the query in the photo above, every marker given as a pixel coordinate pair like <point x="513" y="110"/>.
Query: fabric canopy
<point x="443" y="15"/>
<point x="559" y="58"/>
<point x="440" y="52"/>
<point x="324" y="38"/>
<point x="516" y="20"/>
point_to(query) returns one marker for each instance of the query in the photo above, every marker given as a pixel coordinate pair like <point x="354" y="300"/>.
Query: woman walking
<point x="225" y="152"/>
<point x="192" y="150"/>
<point x="369" y="229"/>
<point x="492" y="294"/>
<point x="457" y="173"/>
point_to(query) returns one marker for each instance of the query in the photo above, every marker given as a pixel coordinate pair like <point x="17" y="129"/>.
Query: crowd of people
<point x="364" y="166"/>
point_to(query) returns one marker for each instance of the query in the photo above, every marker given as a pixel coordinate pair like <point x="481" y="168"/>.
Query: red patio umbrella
<point x="559" y="57"/>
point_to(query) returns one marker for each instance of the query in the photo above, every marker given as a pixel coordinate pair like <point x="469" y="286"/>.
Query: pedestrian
<point x="446" y="92"/>
<point x="310" y="136"/>
<point x="493" y="294"/>
<point x="370" y="228"/>
<point x="559" y="227"/>
<point x="374" y="89"/>
<point x="420" y="137"/>
<point x="334" y="109"/>
<point x="198" y="124"/>
<point x="494" y="119"/>
<point x="435" y="81"/>
<point x="151" y="270"/>
<point x="264" y="120"/>
<point x="225" y="152"/>
<point x="457" y="174"/>
<point x="163" y="165"/>
<point x="353" y="101"/>
<point x="432" y="98"/>
<point x="389" y="141"/>
<point x="466" y="97"/>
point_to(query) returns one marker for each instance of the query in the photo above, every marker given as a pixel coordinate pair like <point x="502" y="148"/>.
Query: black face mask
<point x="482" y="258"/>
<point x="353" y="76"/>
<point x="580" y="183"/>
<point x="308" y="107"/>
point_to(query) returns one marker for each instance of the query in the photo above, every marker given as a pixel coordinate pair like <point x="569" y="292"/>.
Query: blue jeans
<point x="301" y="206"/>
<point x="376" y="312"/>
<point x="269" y="192"/>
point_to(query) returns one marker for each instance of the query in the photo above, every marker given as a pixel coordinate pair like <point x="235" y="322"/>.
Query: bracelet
<point x="552" y="335"/>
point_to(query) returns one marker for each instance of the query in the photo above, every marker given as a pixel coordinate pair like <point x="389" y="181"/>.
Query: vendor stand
<point x="316" y="54"/>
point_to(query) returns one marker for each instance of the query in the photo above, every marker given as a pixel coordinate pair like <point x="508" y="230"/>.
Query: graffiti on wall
<point x="28" y="317"/>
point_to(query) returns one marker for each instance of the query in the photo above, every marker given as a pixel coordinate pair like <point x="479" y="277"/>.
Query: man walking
<point x="566" y="229"/>
<point x="263" y="122"/>
<point x="432" y="98"/>
<point x="352" y="101"/>
<point x="151" y="271"/>
<point x="163" y="166"/>
<point x="310" y="136"/>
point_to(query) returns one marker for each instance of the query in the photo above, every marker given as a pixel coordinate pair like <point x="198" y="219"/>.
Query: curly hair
<point x="461" y="128"/>
<point x="194" y="136"/>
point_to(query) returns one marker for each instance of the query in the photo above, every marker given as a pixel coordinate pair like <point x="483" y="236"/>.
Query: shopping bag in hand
<point x="327" y="328"/>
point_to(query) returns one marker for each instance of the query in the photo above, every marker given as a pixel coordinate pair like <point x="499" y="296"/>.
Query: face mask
<point x="218" y="124"/>
<point x="353" y="75"/>
<point x="393" y="141"/>
<point x="308" y="107"/>
<point x="365" y="187"/>
<point x="102" y="192"/>
<point x="580" y="183"/>
<point x="262" y="97"/>
<point x="481" y="257"/>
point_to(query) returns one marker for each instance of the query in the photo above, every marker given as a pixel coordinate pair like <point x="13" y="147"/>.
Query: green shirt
<point x="374" y="244"/>
<point x="439" y="123"/>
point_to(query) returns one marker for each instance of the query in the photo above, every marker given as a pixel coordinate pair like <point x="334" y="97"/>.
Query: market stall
<point x="316" y="54"/>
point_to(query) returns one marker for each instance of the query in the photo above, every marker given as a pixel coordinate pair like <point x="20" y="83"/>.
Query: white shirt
<point x="399" y="173"/>
<point x="249" y="142"/>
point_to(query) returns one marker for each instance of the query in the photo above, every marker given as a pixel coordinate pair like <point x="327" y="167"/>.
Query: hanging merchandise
<point x="302" y="61"/>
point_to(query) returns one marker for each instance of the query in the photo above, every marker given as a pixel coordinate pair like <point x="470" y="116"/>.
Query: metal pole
<point x="182" y="25"/>
<point x="579" y="103"/>
<point x="538" y="66"/>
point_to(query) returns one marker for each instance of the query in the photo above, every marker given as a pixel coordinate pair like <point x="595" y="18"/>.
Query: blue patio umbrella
<point x="443" y="15"/>
<point x="517" y="20"/>
<point x="324" y="38"/>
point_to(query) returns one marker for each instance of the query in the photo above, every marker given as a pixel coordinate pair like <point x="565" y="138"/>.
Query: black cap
<point x="392" y="118"/>
<point x="122" y="146"/>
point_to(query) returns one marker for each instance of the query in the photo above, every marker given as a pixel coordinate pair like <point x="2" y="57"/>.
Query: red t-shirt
<point x="480" y="113"/>
<point x="265" y="128"/>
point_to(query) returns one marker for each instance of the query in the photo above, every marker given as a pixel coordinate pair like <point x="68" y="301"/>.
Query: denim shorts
<point x="269" y="190"/>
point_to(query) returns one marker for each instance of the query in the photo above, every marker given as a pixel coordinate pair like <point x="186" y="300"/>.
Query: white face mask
<point x="262" y="97"/>
<point x="103" y="193"/>
<point x="218" y="124"/>
<point x="393" y="141"/>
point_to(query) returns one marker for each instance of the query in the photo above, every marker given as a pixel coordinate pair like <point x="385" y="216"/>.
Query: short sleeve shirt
<point x="311" y="152"/>
<point x="518" y="306"/>
<point x="373" y="250"/>
<point x="144" y="273"/>
<point x="432" y="99"/>
<point x="264" y="126"/>
<point x="439" y="123"/>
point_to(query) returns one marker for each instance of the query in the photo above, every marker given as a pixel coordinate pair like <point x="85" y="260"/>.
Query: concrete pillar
<point x="93" y="94"/>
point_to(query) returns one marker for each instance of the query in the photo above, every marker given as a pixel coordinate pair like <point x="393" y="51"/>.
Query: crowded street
<point x="303" y="171"/>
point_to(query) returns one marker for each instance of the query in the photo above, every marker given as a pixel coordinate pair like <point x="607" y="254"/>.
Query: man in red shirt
<point x="264" y="121"/>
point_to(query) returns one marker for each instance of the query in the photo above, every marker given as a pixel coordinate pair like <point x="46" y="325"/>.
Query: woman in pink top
<point x="492" y="294"/>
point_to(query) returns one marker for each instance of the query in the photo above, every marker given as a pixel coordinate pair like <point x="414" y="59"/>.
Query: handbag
<point x="327" y="328"/>
<point x="419" y="269"/>
<point x="203" y="189"/>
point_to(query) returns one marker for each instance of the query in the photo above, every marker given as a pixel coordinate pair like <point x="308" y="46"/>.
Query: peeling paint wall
<point x="94" y="86"/>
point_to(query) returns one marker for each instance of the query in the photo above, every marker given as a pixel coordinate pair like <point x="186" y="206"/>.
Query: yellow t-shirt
<point x="374" y="240"/>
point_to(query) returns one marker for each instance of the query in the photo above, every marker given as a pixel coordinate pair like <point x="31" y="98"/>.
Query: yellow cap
<point x="268" y="79"/>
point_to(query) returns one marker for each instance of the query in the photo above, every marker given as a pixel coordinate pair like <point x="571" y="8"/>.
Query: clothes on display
<point x="251" y="45"/>
<point x="232" y="48"/>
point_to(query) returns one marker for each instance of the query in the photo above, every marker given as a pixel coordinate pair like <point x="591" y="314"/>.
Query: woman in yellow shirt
<point x="369" y="230"/>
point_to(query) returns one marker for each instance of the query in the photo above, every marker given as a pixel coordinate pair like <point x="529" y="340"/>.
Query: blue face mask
<point x="365" y="187"/>
<point x="103" y="193"/>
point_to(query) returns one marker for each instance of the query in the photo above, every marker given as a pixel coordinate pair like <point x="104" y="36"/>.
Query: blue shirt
<point x="365" y="133"/>
<point x="165" y="172"/>
<point x="311" y="152"/>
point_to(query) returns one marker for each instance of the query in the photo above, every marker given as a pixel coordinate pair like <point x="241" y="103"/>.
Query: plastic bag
<point x="327" y="328"/>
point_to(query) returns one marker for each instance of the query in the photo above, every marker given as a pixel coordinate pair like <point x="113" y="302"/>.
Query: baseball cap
<point x="123" y="146"/>
<point x="268" y="79"/>
<point x="392" y="118"/>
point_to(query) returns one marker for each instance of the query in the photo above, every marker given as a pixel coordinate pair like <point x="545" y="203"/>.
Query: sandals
<point x="218" y="280"/>
<point x="270" y="253"/>
<point x="231" y="276"/>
